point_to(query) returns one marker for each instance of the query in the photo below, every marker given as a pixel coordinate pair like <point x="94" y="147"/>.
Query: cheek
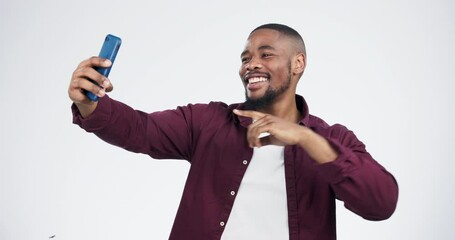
<point x="242" y="71"/>
<point x="283" y="68"/>
<point x="277" y="70"/>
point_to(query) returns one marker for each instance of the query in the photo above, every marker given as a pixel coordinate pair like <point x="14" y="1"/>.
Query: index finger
<point x="249" y="113"/>
<point x="96" y="61"/>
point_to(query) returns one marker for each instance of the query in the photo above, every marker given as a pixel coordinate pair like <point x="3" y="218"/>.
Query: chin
<point x="254" y="96"/>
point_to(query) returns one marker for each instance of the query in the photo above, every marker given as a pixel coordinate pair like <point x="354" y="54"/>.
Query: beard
<point x="269" y="96"/>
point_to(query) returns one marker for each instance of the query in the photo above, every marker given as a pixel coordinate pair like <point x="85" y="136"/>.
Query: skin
<point x="270" y="52"/>
<point x="79" y="81"/>
<point x="267" y="53"/>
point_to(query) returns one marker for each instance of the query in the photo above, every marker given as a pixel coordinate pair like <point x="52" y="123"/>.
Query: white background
<point x="382" y="68"/>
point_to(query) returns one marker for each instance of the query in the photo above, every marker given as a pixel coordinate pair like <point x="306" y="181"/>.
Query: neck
<point x="284" y="108"/>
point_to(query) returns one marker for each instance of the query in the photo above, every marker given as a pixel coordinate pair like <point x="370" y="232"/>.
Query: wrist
<point x="86" y="109"/>
<point x="316" y="146"/>
<point x="303" y="136"/>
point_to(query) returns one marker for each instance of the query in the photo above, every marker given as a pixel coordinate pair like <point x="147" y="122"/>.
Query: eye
<point x="245" y="59"/>
<point x="266" y="55"/>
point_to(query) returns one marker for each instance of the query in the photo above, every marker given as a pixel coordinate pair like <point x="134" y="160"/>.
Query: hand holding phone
<point x="109" y="51"/>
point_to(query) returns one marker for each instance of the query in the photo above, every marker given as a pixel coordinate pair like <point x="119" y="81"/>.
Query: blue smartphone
<point x="109" y="51"/>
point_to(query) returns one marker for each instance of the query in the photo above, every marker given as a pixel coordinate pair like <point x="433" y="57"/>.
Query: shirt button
<point x="232" y="193"/>
<point x="222" y="223"/>
<point x="245" y="162"/>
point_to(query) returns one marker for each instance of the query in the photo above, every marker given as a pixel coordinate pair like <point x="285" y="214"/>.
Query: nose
<point x="253" y="64"/>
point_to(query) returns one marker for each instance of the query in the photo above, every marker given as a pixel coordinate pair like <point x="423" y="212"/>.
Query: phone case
<point x="109" y="51"/>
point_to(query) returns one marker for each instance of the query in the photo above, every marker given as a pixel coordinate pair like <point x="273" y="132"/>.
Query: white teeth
<point x="257" y="79"/>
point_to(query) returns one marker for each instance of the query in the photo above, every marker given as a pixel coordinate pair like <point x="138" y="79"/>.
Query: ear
<point x="299" y="64"/>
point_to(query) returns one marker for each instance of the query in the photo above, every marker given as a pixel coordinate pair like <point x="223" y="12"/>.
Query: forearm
<point x="161" y="135"/>
<point x="86" y="109"/>
<point x="317" y="146"/>
<point x="112" y="122"/>
<point x="365" y="186"/>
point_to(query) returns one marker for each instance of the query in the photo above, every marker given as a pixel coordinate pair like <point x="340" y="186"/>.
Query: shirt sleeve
<point x="162" y="135"/>
<point x="364" y="186"/>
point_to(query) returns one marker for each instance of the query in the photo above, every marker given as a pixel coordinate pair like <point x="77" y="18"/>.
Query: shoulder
<point x="206" y="113"/>
<point x="320" y="126"/>
<point x="211" y="107"/>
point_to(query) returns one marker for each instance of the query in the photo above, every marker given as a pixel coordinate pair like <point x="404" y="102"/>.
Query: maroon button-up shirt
<point x="213" y="140"/>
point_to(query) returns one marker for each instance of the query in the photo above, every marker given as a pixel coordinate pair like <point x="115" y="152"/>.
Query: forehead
<point x="266" y="37"/>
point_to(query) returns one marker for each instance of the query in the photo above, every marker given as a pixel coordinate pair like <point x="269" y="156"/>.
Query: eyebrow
<point x="263" y="47"/>
<point x="266" y="47"/>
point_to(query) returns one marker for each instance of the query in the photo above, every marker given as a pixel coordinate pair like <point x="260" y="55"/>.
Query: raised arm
<point x="165" y="134"/>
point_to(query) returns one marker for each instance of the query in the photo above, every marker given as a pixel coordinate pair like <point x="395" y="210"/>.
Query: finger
<point x="92" y="74"/>
<point x="262" y="127"/>
<point x="255" y="133"/>
<point x="260" y="131"/>
<point x="76" y="93"/>
<point x="93" y="88"/>
<point x="80" y="84"/>
<point x="264" y="120"/>
<point x="95" y="62"/>
<point x="110" y="87"/>
<point x="251" y="137"/>
<point x="80" y="97"/>
<point x="248" y="113"/>
<point x="80" y="80"/>
<point x="254" y="141"/>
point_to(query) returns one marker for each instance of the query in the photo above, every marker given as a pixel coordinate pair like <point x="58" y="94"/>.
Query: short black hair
<point x="286" y="30"/>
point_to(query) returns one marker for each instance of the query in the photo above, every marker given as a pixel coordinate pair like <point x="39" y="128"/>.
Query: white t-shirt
<point x="260" y="207"/>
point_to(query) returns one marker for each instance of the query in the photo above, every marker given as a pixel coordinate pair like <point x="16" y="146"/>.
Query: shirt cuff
<point x="99" y="117"/>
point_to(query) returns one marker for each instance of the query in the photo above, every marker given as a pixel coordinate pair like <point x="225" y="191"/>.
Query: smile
<point x="257" y="80"/>
<point x="256" y="77"/>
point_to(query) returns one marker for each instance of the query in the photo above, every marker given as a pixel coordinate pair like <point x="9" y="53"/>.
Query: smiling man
<point x="262" y="169"/>
<point x="275" y="52"/>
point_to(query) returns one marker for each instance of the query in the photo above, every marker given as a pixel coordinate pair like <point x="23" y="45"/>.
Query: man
<point x="263" y="169"/>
